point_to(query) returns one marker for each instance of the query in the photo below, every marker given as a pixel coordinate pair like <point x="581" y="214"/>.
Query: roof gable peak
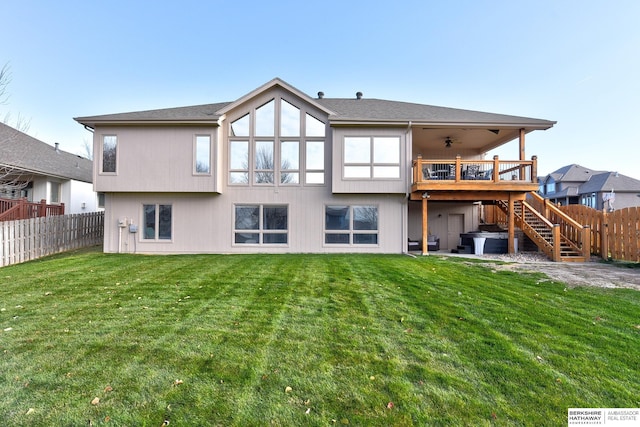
<point x="275" y="82"/>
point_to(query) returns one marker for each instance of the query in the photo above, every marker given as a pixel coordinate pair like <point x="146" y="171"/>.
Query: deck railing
<point x="14" y="209"/>
<point x="457" y="170"/>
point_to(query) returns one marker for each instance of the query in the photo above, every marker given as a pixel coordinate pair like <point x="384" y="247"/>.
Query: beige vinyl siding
<point x="203" y="223"/>
<point x="156" y="158"/>
<point x="340" y="184"/>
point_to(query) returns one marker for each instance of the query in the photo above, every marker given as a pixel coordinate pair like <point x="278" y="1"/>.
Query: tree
<point x="265" y="163"/>
<point x="5" y="78"/>
<point x="21" y="123"/>
<point x="12" y="180"/>
<point x="87" y="148"/>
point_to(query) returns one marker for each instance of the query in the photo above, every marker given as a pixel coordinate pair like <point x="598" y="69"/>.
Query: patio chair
<point x="433" y="242"/>
<point x="427" y="173"/>
<point x="472" y="172"/>
<point x="486" y="175"/>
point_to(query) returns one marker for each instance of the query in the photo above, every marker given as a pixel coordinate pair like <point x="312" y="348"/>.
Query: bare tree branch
<point x="5" y="79"/>
<point x="12" y="181"/>
<point x="87" y="148"/>
<point x="21" y="123"/>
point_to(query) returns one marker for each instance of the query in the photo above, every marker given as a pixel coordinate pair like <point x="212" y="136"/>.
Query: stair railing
<point x="551" y="247"/>
<point x="575" y="234"/>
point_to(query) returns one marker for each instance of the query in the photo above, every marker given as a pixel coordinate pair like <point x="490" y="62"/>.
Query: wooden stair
<point x="561" y="246"/>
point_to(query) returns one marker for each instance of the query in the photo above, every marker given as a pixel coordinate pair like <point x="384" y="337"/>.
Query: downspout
<point x="404" y="232"/>
<point x="89" y="128"/>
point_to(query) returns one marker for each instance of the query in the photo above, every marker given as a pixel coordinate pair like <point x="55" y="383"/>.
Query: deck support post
<point x="425" y="225"/>
<point x="522" y="155"/>
<point x="511" y="225"/>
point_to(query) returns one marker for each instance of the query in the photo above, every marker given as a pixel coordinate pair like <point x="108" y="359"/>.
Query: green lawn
<point x="296" y="340"/>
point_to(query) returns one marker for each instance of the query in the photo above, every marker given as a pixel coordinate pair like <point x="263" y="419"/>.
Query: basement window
<point x="351" y="225"/>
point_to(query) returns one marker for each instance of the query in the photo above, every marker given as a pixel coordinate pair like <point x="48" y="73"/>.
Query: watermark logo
<point x="611" y="417"/>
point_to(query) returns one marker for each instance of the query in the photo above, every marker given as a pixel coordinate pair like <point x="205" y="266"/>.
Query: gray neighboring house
<point x="280" y="171"/>
<point x="37" y="171"/>
<point x="574" y="184"/>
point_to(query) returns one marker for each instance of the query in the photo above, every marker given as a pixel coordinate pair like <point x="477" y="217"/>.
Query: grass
<point x="306" y="340"/>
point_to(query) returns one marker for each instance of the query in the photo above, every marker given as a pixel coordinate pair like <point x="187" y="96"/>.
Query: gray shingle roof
<point x="366" y="109"/>
<point x="198" y="113"/>
<point x="607" y="181"/>
<point x="345" y="109"/>
<point x="565" y="192"/>
<point x="588" y="181"/>
<point x="19" y="150"/>
<point x="573" y="173"/>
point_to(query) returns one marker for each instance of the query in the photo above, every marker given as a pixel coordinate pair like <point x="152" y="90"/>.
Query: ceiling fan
<point x="448" y="142"/>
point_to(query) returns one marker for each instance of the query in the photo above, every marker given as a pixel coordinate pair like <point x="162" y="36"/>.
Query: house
<point x="574" y="184"/>
<point x="278" y="171"/>
<point x="32" y="169"/>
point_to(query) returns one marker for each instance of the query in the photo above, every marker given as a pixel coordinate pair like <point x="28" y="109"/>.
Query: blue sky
<point x="574" y="62"/>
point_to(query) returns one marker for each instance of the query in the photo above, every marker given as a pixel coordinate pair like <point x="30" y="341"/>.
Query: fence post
<point x="604" y="236"/>
<point x="586" y="242"/>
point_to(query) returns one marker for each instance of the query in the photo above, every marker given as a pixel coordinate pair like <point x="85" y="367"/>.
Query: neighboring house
<point x="279" y="171"/>
<point x="575" y="184"/>
<point x="32" y="169"/>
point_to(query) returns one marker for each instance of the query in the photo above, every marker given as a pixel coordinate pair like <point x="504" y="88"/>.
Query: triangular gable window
<point x="272" y="145"/>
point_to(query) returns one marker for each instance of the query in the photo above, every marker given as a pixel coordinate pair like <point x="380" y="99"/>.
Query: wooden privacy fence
<point x="27" y="239"/>
<point x="614" y="235"/>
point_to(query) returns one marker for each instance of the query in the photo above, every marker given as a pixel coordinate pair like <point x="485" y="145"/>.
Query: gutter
<point x="528" y="126"/>
<point x="92" y="123"/>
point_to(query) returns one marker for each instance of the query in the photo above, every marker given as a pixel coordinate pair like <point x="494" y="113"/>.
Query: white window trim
<point x="278" y="138"/>
<point x="372" y="164"/>
<point x="156" y="238"/>
<point x="350" y="232"/>
<point x="102" y="172"/>
<point x="260" y="230"/>
<point x="195" y="154"/>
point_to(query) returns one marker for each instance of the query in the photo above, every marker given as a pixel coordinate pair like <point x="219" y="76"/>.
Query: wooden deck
<point x="14" y="209"/>
<point x="506" y="184"/>
<point x="457" y="179"/>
